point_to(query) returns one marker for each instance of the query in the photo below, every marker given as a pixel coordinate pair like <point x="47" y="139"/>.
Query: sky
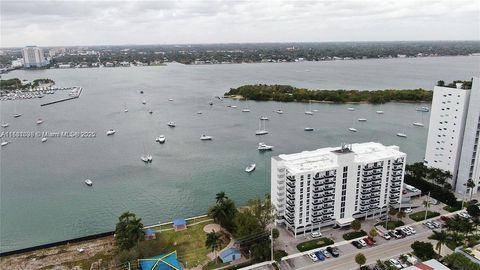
<point x="76" y="22"/>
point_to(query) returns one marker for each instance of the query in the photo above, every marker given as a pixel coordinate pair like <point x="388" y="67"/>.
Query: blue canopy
<point x="150" y="232"/>
<point x="161" y="262"/>
<point x="179" y="222"/>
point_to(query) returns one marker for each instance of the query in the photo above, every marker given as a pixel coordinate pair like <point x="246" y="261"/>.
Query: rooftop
<point x="327" y="158"/>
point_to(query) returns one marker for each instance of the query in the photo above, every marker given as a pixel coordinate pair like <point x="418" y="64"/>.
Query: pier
<point x="76" y="92"/>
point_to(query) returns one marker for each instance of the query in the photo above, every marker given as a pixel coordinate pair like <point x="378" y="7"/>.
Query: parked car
<point x="394" y="235"/>
<point x="464" y="215"/>
<point x="412" y="230"/>
<point x="401" y="233"/>
<point x="333" y="251"/>
<point x="320" y="255"/>
<point x="325" y="253"/>
<point x="429" y="225"/>
<point x="357" y="244"/>
<point x="406" y="231"/>
<point x="408" y="210"/>
<point x="436" y="224"/>
<point x="316" y="234"/>
<point x="369" y="241"/>
<point x="386" y="236"/>
<point x="362" y="242"/>
<point x="313" y="257"/>
<point x="395" y="263"/>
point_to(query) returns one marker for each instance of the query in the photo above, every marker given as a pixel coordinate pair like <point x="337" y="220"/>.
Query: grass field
<point x="316" y="243"/>
<point x="419" y="216"/>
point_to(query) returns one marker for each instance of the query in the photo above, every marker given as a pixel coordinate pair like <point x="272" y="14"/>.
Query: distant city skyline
<point x="88" y="23"/>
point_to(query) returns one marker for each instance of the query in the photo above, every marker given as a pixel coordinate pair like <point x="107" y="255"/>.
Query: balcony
<point x="376" y="189"/>
<point x="291" y="197"/>
<point x="396" y="179"/>
<point x="291" y="184"/>
<point x="290" y="208"/>
<point x="280" y="205"/>
<point x="329" y="187"/>
<point x="398" y="161"/>
<point x="394" y="196"/>
<point x="325" y="218"/>
<point x="291" y="203"/>
<point x="317" y="183"/>
<point x="365" y="198"/>
<point x="329" y="180"/>
<point x="290" y="190"/>
<point x="290" y="178"/>
<point x="280" y="182"/>
<point x="365" y="191"/>
<point x="328" y="198"/>
<point x="289" y="214"/>
<point x="376" y="183"/>
<point x="328" y="206"/>
<point x="317" y="202"/>
<point x="364" y="209"/>
<point x="316" y="208"/>
<point x="316" y="214"/>
<point x="364" y="203"/>
<point x="396" y="184"/>
<point x="397" y="167"/>
<point x="396" y="173"/>
<point x="395" y="190"/>
<point x="375" y="194"/>
<point x="317" y="196"/>
<point x="289" y="220"/>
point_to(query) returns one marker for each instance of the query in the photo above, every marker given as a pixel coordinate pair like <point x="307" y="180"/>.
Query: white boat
<point x="44" y="139"/>
<point x="110" y="132"/>
<point x="4" y="143"/>
<point x="5" y="125"/>
<point x="264" y="147"/>
<point x="422" y="109"/>
<point x="233" y="106"/>
<point x="246" y="110"/>
<point x="199" y="112"/>
<point x="309" y="109"/>
<point x="144" y="159"/>
<point x="315" y="110"/>
<point x="250" y="168"/>
<point x="263" y="118"/>
<point x="362" y="120"/>
<point x="171" y="124"/>
<point x="170" y="99"/>
<point x="160" y="139"/>
<point x="125" y="110"/>
<point x="88" y="182"/>
<point x="351" y="109"/>
<point x="149" y="158"/>
<point x="308" y="129"/>
<point x="379" y="112"/>
<point x="205" y="138"/>
<point x="39" y="121"/>
<point x="403" y="135"/>
<point x="279" y="111"/>
<point x="261" y="131"/>
<point x="17" y="115"/>
<point x="144" y="102"/>
<point x="352" y="129"/>
<point x="418" y="124"/>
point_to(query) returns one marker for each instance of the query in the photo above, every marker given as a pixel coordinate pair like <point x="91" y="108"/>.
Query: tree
<point x="356" y="225"/>
<point x="246" y="224"/>
<point x="459" y="261"/>
<point x="423" y="250"/>
<point x="224" y="211"/>
<point x="440" y="83"/>
<point x="426" y="204"/>
<point x="470" y="185"/>
<point x="373" y="233"/>
<point x="212" y="241"/>
<point x="360" y="259"/>
<point x="441" y="237"/>
<point x="275" y="233"/>
<point x="220" y="197"/>
<point x="473" y="210"/>
<point x="262" y="210"/>
<point x="128" y="231"/>
<point x="401" y="215"/>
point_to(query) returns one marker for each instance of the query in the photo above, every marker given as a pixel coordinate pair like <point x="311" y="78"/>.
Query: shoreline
<point x="239" y="97"/>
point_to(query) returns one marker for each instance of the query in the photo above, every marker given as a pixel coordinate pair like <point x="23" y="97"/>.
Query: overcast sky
<point x="72" y="22"/>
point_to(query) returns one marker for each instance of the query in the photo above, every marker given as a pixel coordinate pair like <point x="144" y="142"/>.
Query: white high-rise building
<point x="33" y="57"/>
<point x="454" y="132"/>
<point x="334" y="185"/>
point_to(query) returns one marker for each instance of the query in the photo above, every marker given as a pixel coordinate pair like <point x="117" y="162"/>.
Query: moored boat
<point x="205" y="138"/>
<point x="250" y="168"/>
<point x="110" y="132"/>
<point x="264" y="147"/>
<point x="171" y="124"/>
<point x="160" y="139"/>
<point x="403" y="135"/>
<point x="308" y="129"/>
<point x="4" y="143"/>
<point x="418" y="124"/>
<point x="362" y="119"/>
<point x="352" y="129"/>
<point x="89" y="182"/>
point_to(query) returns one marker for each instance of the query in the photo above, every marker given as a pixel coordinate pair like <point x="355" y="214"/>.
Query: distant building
<point x="33" y="57"/>
<point x="334" y="185"/>
<point x="428" y="265"/>
<point x="453" y="134"/>
<point x="17" y="63"/>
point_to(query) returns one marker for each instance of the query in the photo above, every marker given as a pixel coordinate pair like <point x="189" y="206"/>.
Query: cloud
<point x="77" y="22"/>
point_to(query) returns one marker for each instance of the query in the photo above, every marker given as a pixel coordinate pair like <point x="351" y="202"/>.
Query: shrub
<point x="316" y="243"/>
<point x="278" y="254"/>
<point x="423" y="250"/>
<point x="419" y="216"/>
<point x="353" y="235"/>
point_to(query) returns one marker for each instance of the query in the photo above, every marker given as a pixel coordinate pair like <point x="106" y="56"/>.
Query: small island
<point x="287" y="93"/>
<point x="17" y="84"/>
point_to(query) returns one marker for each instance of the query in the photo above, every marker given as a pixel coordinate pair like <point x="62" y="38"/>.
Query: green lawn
<point x="452" y="208"/>
<point x="419" y="216"/>
<point x="316" y="243"/>
<point x="353" y="235"/>
<point x="189" y="244"/>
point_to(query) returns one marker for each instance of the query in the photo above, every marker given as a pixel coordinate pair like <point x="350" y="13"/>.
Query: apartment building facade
<point x="334" y="185"/>
<point x="33" y="57"/>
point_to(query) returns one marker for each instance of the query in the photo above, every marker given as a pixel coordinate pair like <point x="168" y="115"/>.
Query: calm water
<point x="43" y="197"/>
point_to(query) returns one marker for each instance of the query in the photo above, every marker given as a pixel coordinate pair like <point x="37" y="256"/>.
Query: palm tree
<point x="457" y="238"/>
<point x="426" y="203"/>
<point x="470" y="185"/>
<point x="220" y="197"/>
<point x="401" y="215"/>
<point x="212" y="241"/>
<point x="360" y="259"/>
<point x="441" y="237"/>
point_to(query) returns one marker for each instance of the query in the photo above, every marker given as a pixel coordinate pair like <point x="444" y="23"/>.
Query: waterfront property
<point x="453" y="134"/>
<point x="161" y="262"/>
<point x="33" y="57"/>
<point x="334" y="185"/>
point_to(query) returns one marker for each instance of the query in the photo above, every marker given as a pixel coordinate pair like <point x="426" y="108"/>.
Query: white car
<point x="315" y="234"/>
<point x="406" y="231"/>
<point x="362" y="242"/>
<point x="408" y="210"/>
<point x="326" y="253"/>
<point x="464" y="215"/>
<point x="395" y="263"/>
<point x="412" y="230"/>
<point x="313" y="257"/>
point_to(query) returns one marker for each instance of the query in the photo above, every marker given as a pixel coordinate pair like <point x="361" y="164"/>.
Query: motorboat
<point x="111" y="132"/>
<point x="362" y="120"/>
<point x="422" y="109"/>
<point x="379" y="112"/>
<point x="246" y="110"/>
<point x="17" y="115"/>
<point x="264" y="147"/>
<point x="144" y="159"/>
<point x="351" y="109"/>
<point x="279" y="111"/>
<point x="199" y="112"/>
<point x="308" y="129"/>
<point x="4" y="143"/>
<point x="250" y="168"/>
<point x="263" y="118"/>
<point x="205" y="138"/>
<point x="39" y="121"/>
<point x="150" y="112"/>
<point x="171" y="124"/>
<point x="125" y="110"/>
<point x="89" y="182"/>
<point x="352" y="129"/>
<point x="210" y="103"/>
<point x="403" y="135"/>
<point x="418" y="124"/>
<point x="144" y="102"/>
<point x="308" y="112"/>
<point x="315" y="110"/>
<point x="160" y="139"/>
<point x="5" y="125"/>
<point x="150" y="158"/>
<point x="44" y="139"/>
<point x="170" y="99"/>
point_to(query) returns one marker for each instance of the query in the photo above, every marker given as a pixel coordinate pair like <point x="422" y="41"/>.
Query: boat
<point x="418" y="124"/>
<point x="125" y="109"/>
<point x="44" y="139"/>
<point x="279" y="111"/>
<point x="141" y="92"/>
<point x="199" y="112"/>
<point x="261" y="131"/>
<point x="150" y="158"/>
<point x="210" y="103"/>
<point x="39" y="121"/>
<point x="263" y="118"/>
<point x="205" y="138"/>
<point x="315" y="110"/>
<point x="422" y="109"/>
<point x="379" y="112"/>
<point x="233" y="106"/>
<point x="4" y="143"/>
<point x="308" y="129"/>
<point x="250" y="168"/>
<point x="160" y="139"/>
<point x="150" y="112"/>
<point x="351" y="109"/>
<point x="17" y="115"/>
<point x="144" y="102"/>
<point x="403" y="135"/>
<point x="170" y="99"/>
<point x="246" y="110"/>
<point x="362" y="120"/>
<point x="144" y="159"/>
<point x="111" y="132"/>
<point x="88" y="182"/>
<point x="5" y="125"/>
<point x="352" y="129"/>
<point x="171" y="124"/>
<point x="264" y="147"/>
<point x="309" y="110"/>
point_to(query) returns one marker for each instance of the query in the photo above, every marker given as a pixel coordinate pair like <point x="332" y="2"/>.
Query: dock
<point x="76" y="92"/>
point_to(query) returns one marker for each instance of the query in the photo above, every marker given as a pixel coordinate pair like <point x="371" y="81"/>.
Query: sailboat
<point x="402" y="135"/>
<point x="246" y="109"/>
<point x="16" y="114"/>
<point x="419" y="124"/>
<point x="39" y="121"/>
<point x="309" y="110"/>
<point x="261" y="131"/>
<point x="147" y="158"/>
<point x="125" y="109"/>
<point x="4" y="143"/>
